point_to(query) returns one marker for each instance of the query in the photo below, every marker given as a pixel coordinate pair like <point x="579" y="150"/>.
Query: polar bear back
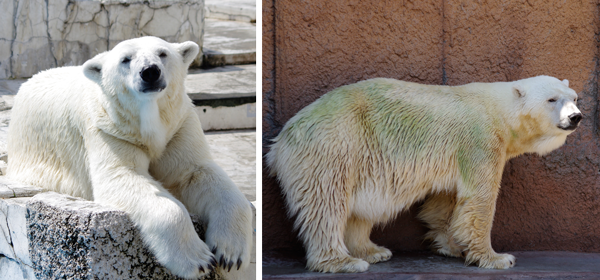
<point x="53" y="105"/>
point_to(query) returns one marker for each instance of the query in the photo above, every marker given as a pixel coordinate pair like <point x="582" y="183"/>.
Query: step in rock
<point x="237" y="10"/>
<point x="228" y="43"/>
<point x="225" y="97"/>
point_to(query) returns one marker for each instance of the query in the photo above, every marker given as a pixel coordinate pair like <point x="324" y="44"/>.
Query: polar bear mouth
<point x="570" y="127"/>
<point x="574" y="120"/>
<point x="153" y="88"/>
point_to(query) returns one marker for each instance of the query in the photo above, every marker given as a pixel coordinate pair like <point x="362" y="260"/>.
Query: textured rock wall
<point x="310" y="48"/>
<point x="41" y="34"/>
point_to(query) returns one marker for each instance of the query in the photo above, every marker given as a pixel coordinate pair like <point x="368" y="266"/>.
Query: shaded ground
<point x="425" y="265"/>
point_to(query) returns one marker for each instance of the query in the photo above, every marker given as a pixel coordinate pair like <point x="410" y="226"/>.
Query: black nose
<point x="575" y="118"/>
<point x="150" y="73"/>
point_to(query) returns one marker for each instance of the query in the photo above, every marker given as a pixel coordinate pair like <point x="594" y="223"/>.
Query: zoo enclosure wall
<point x="311" y="47"/>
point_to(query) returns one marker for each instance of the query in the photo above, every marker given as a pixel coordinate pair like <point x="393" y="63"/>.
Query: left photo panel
<point x="128" y="139"/>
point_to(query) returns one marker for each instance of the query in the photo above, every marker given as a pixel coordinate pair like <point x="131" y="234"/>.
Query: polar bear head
<point x="548" y="109"/>
<point x="144" y="66"/>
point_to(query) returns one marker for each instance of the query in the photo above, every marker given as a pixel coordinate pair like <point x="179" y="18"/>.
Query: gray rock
<point x="78" y="239"/>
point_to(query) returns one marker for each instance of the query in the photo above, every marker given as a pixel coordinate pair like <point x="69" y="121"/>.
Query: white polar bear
<point x="362" y="153"/>
<point x="120" y="130"/>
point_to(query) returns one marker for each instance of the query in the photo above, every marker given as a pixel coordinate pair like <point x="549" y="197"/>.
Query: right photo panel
<point x="430" y="139"/>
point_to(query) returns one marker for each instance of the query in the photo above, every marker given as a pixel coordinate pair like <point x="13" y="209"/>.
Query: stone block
<point x="74" y="238"/>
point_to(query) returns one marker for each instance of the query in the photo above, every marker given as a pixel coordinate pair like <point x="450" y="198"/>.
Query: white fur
<point x="91" y="131"/>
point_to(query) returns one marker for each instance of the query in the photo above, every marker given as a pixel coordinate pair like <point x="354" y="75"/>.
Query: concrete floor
<point x="235" y="152"/>
<point x="425" y="265"/>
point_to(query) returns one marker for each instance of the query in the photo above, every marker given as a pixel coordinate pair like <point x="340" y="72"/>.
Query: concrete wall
<point x="39" y="34"/>
<point x="312" y="47"/>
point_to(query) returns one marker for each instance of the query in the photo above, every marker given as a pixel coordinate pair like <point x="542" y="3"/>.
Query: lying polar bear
<point x="120" y="130"/>
<point x="362" y="153"/>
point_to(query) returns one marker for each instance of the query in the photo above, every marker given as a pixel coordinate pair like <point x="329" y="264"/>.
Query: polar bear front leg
<point x="187" y="170"/>
<point x="356" y="238"/>
<point x="120" y="178"/>
<point x="472" y="226"/>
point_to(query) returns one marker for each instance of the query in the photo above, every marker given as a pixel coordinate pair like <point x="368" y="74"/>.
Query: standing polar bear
<point x="362" y="153"/>
<point x="120" y="130"/>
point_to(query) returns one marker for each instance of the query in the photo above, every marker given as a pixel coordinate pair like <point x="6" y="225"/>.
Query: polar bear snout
<point x="152" y="79"/>
<point x="574" y="120"/>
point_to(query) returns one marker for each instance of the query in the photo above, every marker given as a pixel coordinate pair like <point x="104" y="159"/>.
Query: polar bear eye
<point x="125" y="60"/>
<point x="162" y="55"/>
<point x="552" y="100"/>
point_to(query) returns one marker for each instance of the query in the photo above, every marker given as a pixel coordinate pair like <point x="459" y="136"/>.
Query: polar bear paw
<point x="231" y="250"/>
<point x="497" y="261"/>
<point x="339" y="265"/>
<point x="377" y="254"/>
<point x="372" y="253"/>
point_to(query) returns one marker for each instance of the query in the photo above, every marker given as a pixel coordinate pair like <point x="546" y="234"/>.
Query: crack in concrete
<point x="14" y="37"/>
<point x="50" y="45"/>
<point x="108" y="25"/>
<point x="7" y="235"/>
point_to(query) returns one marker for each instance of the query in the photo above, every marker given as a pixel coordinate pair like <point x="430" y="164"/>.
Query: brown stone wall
<point x="311" y="47"/>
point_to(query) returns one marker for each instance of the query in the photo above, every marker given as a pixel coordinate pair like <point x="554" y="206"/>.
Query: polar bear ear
<point x="566" y="82"/>
<point x="188" y="50"/>
<point x="518" y="90"/>
<point x="93" y="67"/>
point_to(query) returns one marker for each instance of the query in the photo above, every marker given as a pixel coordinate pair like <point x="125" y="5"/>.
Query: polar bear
<point x="121" y="131"/>
<point x="362" y="153"/>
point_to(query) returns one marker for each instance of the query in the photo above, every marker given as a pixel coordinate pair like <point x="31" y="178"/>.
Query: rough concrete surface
<point x="530" y="265"/>
<point x="235" y="152"/>
<point x="312" y="47"/>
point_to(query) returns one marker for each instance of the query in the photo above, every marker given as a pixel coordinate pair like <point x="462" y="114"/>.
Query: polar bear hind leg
<point x="436" y="212"/>
<point x="321" y="221"/>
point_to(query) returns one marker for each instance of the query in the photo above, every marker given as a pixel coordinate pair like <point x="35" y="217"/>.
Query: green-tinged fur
<point x="362" y="153"/>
